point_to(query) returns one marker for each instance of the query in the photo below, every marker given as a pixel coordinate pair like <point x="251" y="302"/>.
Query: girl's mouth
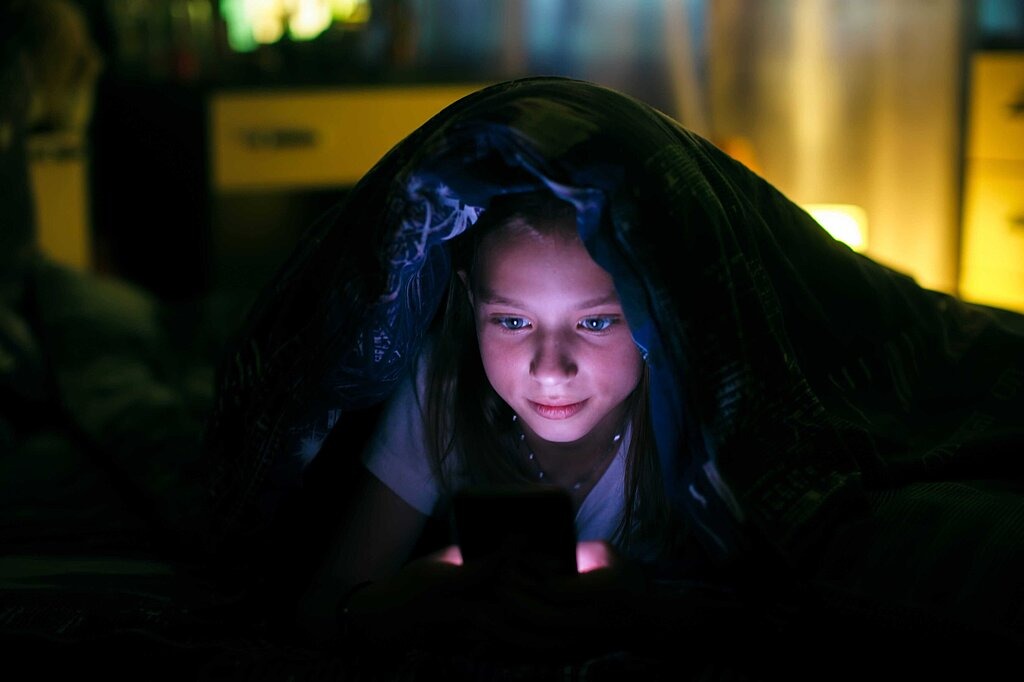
<point x="557" y="411"/>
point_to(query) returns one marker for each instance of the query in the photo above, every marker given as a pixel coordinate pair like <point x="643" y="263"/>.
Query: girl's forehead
<point x="517" y="242"/>
<point x="532" y="262"/>
<point x="520" y="232"/>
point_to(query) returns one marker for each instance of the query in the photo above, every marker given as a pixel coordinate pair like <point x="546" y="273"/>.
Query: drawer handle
<point x="279" y="138"/>
<point x="1017" y="221"/>
<point x="1016" y="106"/>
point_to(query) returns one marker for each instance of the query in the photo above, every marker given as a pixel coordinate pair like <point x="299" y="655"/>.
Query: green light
<point x="351" y="11"/>
<point x="251" y="22"/>
<point x="240" y="36"/>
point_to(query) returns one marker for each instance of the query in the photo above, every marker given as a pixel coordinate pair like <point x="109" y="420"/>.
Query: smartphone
<point x="534" y="524"/>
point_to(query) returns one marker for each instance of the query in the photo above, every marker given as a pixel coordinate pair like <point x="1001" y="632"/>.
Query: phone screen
<point x="535" y="523"/>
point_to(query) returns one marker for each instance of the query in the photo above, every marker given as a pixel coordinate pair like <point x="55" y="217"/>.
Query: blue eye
<point x="512" y="323"/>
<point x="596" y="324"/>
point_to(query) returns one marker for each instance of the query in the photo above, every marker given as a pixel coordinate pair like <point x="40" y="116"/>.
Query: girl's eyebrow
<point x="491" y="298"/>
<point x="611" y="298"/>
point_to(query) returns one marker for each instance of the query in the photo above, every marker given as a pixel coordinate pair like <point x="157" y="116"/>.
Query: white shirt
<point x="397" y="455"/>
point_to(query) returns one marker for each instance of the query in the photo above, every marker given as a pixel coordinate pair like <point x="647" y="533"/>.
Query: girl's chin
<point x="557" y="431"/>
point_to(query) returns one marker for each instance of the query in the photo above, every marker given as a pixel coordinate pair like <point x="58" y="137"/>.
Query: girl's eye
<point x="596" y="324"/>
<point x="512" y="323"/>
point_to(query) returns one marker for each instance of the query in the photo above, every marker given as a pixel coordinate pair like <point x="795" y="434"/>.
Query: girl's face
<point x="553" y="339"/>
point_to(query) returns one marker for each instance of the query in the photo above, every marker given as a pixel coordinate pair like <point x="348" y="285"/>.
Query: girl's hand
<point x="503" y="605"/>
<point x="594" y="554"/>
<point x="507" y="603"/>
<point x="433" y="600"/>
<point x="590" y="612"/>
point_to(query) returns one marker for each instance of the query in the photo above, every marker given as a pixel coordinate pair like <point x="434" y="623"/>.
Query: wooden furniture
<point x="279" y="158"/>
<point x="313" y="138"/>
<point x="992" y="256"/>
<point x="58" y="172"/>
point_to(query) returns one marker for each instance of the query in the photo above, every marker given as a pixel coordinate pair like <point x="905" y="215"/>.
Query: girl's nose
<point x="553" y="361"/>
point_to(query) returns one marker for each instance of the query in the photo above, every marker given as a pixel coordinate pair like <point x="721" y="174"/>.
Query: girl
<point x="533" y="378"/>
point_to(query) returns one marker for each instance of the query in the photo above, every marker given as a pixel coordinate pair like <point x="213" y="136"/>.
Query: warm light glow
<point x="308" y="18"/>
<point x="351" y="11"/>
<point x="266" y="20"/>
<point x="845" y="222"/>
<point x="251" y="22"/>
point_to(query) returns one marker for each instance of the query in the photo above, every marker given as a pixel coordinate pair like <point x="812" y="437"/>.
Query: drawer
<point x="992" y="266"/>
<point x="996" y="118"/>
<point x="314" y="138"/>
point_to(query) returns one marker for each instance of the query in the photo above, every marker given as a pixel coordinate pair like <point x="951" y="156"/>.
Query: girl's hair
<point x="471" y="437"/>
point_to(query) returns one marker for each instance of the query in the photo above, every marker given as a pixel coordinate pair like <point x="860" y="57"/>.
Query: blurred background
<point x="212" y="132"/>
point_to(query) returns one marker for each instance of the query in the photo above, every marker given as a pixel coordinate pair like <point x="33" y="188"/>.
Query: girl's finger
<point x="594" y="554"/>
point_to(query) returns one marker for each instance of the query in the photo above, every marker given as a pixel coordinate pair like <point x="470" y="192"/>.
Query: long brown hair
<point x="470" y="428"/>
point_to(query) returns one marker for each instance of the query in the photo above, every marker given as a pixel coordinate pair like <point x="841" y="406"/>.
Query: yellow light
<point x="846" y="222"/>
<point x="267" y="20"/>
<point x="308" y="18"/>
<point x="267" y="30"/>
<point x="251" y="22"/>
<point x="351" y="11"/>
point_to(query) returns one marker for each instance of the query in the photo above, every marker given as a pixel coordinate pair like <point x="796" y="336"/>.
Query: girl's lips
<point x="557" y="411"/>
